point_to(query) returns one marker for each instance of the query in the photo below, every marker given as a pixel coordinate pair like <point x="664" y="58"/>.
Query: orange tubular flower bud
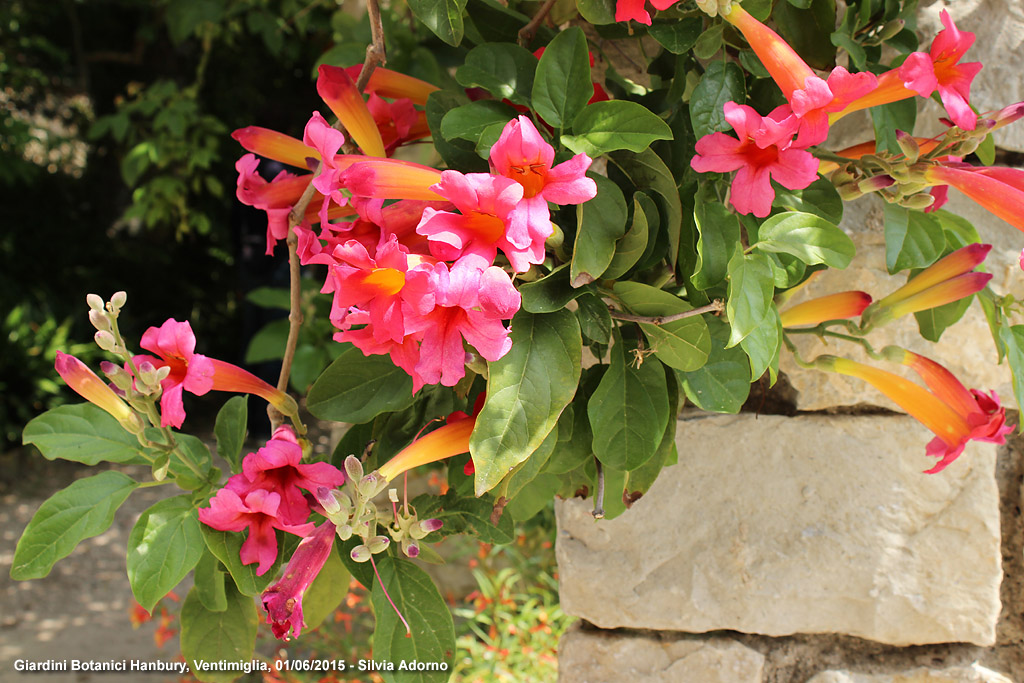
<point x="947" y="292"/>
<point x="277" y="146"/>
<point x="928" y="409"/>
<point x="786" y="67"/>
<point x="89" y="386"/>
<point x="450" y="440"/>
<point x="394" y="85"/>
<point x="961" y="261"/>
<point x="391" y="179"/>
<point x="338" y="90"/>
<point x="1000" y="192"/>
<point x="228" y="377"/>
<point x="832" y="307"/>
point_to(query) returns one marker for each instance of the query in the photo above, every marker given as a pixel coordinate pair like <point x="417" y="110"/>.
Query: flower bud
<point x="326" y="498"/>
<point x="424" y="527"/>
<point x="370" y="485"/>
<point x="147" y="374"/>
<point x="378" y="544"/>
<point x="95" y="302"/>
<point x="917" y="202"/>
<point x="908" y="145"/>
<point x="105" y="340"/>
<point x="99" y="320"/>
<point x="891" y="28"/>
<point x="411" y="549"/>
<point x="116" y="374"/>
<point x="360" y="554"/>
<point x="344" y="531"/>
<point x="118" y="300"/>
<point x="162" y="373"/>
<point x="353" y="468"/>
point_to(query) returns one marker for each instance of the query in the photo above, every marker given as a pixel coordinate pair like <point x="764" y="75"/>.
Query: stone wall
<point x="811" y="548"/>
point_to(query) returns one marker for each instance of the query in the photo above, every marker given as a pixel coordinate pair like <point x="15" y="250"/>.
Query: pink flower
<point x="277" y="467"/>
<point x="985" y="418"/>
<point x="283" y="600"/>
<point x="1000" y="190"/>
<point x="258" y="513"/>
<point x="524" y="156"/>
<point x="469" y="302"/>
<point x="761" y="154"/>
<point x="938" y="69"/>
<point x="818" y="98"/>
<point x="634" y="9"/>
<point x="488" y="204"/>
<point x="175" y="345"/>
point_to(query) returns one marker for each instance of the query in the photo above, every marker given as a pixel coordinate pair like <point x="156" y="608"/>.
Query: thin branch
<point x="599" y="493"/>
<point x="713" y="307"/>
<point x="527" y="32"/>
<point x="375" y="56"/>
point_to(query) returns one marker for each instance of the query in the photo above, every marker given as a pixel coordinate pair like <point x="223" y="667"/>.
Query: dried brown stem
<point x="375" y="56"/>
<point x="527" y="32"/>
<point x="713" y="307"/>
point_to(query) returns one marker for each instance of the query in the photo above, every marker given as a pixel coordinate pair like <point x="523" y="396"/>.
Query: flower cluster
<point x="267" y="495"/>
<point x="415" y="279"/>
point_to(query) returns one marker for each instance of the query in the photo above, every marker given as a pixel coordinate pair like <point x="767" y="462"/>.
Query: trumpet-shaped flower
<point x="338" y="90"/>
<point x="283" y="600"/>
<point x="257" y="512"/>
<point x="634" y="9"/>
<point x="394" y="85"/>
<point x="1000" y="190"/>
<point x="832" y="307"/>
<point x="445" y="442"/>
<point x="277" y="467"/>
<point x="487" y="204"/>
<point x="174" y="343"/>
<point x="522" y="154"/>
<point x="467" y="301"/>
<point x="390" y="179"/>
<point x="94" y="390"/>
<point x="939" y="69"/>
<point x="761" y="154"/>
<point x="951" y="428"/>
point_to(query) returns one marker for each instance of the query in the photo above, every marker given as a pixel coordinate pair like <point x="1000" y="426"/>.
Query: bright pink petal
<point x="632" y="9"/>
<point x="751" y="191"/>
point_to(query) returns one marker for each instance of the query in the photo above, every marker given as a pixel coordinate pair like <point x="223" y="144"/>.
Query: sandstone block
<point x="957" y="674"/>
<point x="778" y="526"/>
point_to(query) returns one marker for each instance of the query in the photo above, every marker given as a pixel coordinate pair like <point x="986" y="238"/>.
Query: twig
<point x="375" y="56"/>
<point x="527" y="32"/>
<point x="599" y="493"/>
<point x="713" y="307"/>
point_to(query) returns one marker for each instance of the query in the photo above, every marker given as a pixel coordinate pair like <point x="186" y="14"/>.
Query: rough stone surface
<point x="998" y="26"/>
<point x="813" y="524"/>
<point x="966" y="348"/>
<point x="959" y="674"/>
<point x="598" y="657"/>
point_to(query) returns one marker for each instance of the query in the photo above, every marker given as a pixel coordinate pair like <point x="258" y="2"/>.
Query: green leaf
<point x="597" y="12"/>
<point x="465" y="516"/>
<point x="638" y="482"/>
<point x="468" y="122"/>
<point x="810" y="238"/>
<point x="631" y="246"/>
<point x="678" y="37"/>
<point x="184" y="17"/>
<point x="82" y="510"/>
<point x="82" y="433"/>
<point x="719" y="231"/>
<point x="197" y="452"/>
<point x="709" y="42"/>
<point x="526" y="391"/>
<point x="682" y="344"/>
<point x="430" y="622"/>
<point x="357" y="388"/>
<point x="600" y="222"/>
<point x="503" y="69"/>
<point x="534" y="497"/>
<point x="163" y="547"/>
<point x="562" y="85"/>
<point x="1012" y="338"/>
<point x="230" y="430"/>
<point x="443" y="17"/>
<point x="888" y="118"/>
<point x="629" y="410"/>
<point x="211" y="636"/>
<point x="615" y="124"/>
<point x="723" y="383"/>
<point x="209" y="582"/>
<point x="326" y="592"/>
<point x="721" y="83"/>
<point x="986" y="151"/>
<point x="934" y="321"/>
<point x="227" y="547"/>
<point x="460" y="154"/>
<point x="647" y="171"/>
<point x="751" y="286"/>
<point x="762" y="346"/>
<point x="594" y="318"/>
<point x="270" y="297"/>
<point x="531" y="467"/>
<point x="819" y="198"/>
<point x="913" y="239"/>
<point x="808" y="29"/>
<point x="268" y="343"/>
<point x="551" y="292"/>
